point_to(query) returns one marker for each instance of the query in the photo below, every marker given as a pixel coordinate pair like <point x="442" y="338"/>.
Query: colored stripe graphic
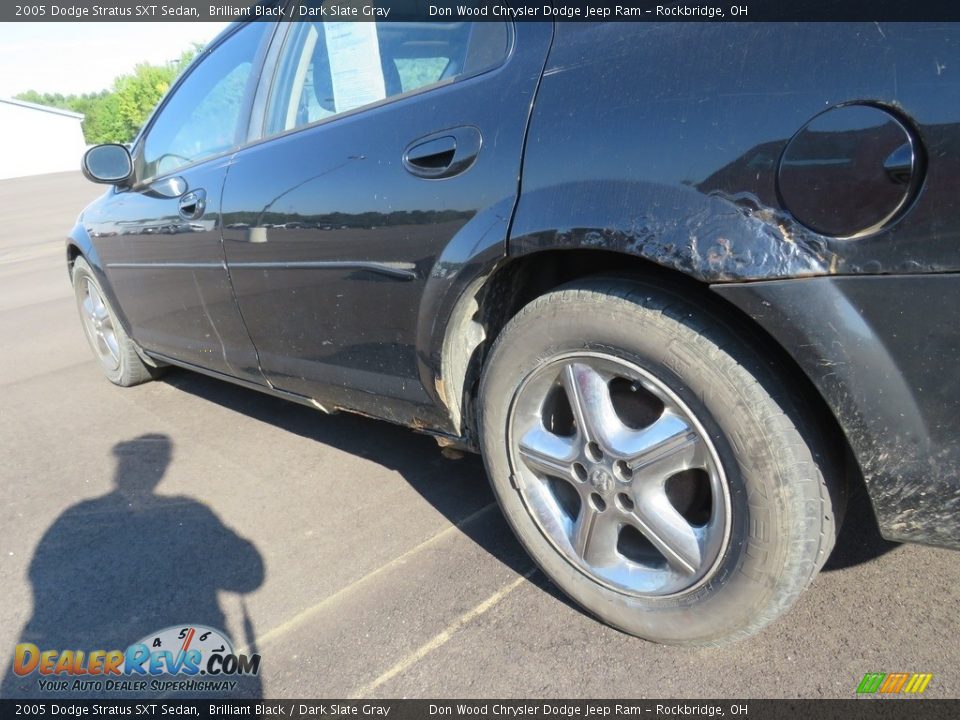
<point x="918" y="683"/>
<point x="894" y="683"/>
<point x="870" y="683"/>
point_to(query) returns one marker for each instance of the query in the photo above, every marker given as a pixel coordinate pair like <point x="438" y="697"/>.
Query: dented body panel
<point x="666" y="144"/>
<point x="708" y="237"/>
<point x="889" y="374"/>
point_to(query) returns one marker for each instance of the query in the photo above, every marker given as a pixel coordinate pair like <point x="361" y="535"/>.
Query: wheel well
<point x="479" y="318"/>
<point x="73" y="252"/>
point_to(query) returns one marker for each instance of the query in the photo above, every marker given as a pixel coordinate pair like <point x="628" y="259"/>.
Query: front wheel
<point x="651" y="464"/>
<point x="116" y="352"/>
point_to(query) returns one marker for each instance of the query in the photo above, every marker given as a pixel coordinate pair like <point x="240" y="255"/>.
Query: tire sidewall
<point x="82" y="271"/>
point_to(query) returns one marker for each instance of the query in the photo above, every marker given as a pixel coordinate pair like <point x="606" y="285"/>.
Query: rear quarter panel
<point x="662" y="140"/>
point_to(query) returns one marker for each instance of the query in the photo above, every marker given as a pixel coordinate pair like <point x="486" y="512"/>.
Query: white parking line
<point x="441" y="638"/>
<point x="311" y="611"/>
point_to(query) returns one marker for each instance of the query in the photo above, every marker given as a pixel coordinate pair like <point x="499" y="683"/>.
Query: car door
<point x="382" y="143"/>
<point x="159" y="241"/>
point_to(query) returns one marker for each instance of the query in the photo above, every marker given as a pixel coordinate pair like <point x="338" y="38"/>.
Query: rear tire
<point x="116" y="352"/>
<point x="652" y="464"/>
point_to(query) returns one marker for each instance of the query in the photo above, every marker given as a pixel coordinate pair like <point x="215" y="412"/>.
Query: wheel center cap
<point x="601" y="480"/>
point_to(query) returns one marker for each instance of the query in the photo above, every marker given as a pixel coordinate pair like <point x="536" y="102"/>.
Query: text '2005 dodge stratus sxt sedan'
<point x="672" y="297"/>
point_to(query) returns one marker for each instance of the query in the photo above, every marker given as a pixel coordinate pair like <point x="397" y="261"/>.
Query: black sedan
<point x="682" y="301"/>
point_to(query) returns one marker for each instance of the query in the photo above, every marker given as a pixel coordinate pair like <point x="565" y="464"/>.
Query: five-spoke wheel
<point x="118" y="356"/>
<point x="618" y="474"/>
<point x="99" y="325"/>
<point x="652" y="464"/>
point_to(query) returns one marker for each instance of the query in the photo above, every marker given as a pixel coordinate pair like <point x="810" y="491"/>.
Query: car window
<point x="202" y="118"/>
<point x="328" y="68"/>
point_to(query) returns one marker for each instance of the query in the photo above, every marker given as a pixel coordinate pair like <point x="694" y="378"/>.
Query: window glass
<point x="328" y="68"/>
<point x="203" y="116"/>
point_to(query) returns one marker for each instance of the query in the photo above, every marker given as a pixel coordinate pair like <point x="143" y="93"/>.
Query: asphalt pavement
<point x="349" y="553"/>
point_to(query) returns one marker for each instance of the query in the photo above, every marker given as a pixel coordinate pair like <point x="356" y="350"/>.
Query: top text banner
<point x="516" y="10"/>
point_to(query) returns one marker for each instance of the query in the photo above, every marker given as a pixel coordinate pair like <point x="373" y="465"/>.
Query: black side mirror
<point x="109" y="164"/>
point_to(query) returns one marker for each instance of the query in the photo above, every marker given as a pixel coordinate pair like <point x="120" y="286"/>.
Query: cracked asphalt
<point x="349" y="553"/>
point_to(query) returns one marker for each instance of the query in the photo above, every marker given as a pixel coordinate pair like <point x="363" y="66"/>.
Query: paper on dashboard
<point x="355" y="69"/>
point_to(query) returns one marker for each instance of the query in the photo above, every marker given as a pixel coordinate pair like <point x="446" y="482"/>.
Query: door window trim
<point x="250" y="91"/>
<point x="268" y="82"/>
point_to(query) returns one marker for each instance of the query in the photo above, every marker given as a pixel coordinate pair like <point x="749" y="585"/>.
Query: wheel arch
<point x="73" y="252"/>
<point x="489" y="303"/>
<point x="78" y="244"/>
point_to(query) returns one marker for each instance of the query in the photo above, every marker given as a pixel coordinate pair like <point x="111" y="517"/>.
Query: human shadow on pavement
<point x="115" y="569"/>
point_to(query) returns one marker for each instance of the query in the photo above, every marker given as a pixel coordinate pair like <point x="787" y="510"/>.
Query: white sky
<point x="86" y="57"/>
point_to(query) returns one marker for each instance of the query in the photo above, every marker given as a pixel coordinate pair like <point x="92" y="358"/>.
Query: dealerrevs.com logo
<point x="203" y="657"/>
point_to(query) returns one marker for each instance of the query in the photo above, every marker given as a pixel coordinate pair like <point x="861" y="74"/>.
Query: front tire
<point x="652" y="464"/>
<point x="116" y="352"/>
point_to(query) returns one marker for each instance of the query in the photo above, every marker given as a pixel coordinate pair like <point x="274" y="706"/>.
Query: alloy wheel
<point x="99" y="325"/>
<point x="619" y="475"/>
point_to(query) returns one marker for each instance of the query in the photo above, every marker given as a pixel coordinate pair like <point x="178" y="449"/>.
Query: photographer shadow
<point x="118" y="568"/>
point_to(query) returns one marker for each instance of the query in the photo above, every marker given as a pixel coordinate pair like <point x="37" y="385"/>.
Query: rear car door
<point x="380" y="143"/>
<point x="160" y="241"/>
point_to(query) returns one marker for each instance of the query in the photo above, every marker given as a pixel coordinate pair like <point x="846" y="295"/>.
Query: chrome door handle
<point x="443" y="154"/>
<point x="193" y="204"/>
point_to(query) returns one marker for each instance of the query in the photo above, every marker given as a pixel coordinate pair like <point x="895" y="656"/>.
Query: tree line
<point x="116" y="115"/>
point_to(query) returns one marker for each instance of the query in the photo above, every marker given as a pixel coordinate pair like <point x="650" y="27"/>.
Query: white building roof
<point x="42" y="108"/>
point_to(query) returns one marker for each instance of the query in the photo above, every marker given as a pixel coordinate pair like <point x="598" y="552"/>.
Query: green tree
<point x="116" y="115"/>
<point x="136" y="95"/>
